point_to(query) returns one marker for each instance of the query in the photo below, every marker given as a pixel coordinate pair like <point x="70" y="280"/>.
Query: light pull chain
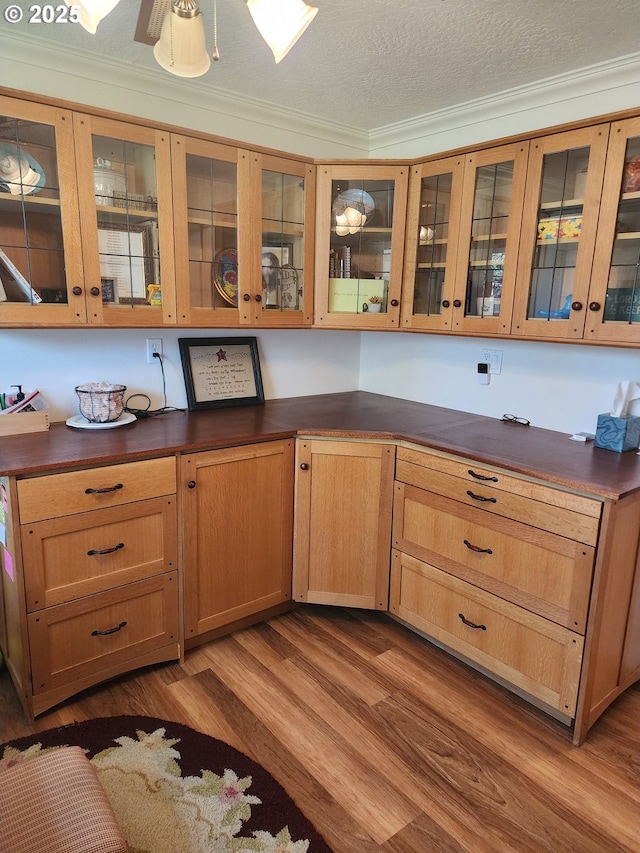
<point x="215" y="52"/>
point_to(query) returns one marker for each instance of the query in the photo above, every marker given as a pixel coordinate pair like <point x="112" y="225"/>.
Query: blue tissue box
<point x="618" y="434"/>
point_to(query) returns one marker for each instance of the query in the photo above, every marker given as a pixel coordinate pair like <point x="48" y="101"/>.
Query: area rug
<point x="175" y="790"/>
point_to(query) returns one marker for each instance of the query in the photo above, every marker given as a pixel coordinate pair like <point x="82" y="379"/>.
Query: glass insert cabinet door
<point x="361" y="214"/>
<point x="613" y="311"/>
<point x="435" y="191"/>
<point x="124" y="175"/>
<point x="286" y="249"/>
<point x="208" y="268"/>
<point x="41" y="275"/>
<point x="560" y="218"/>
<point x="486" y="265"/>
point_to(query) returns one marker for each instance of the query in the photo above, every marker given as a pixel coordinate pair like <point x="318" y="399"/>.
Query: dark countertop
<point x="532" y="451"/>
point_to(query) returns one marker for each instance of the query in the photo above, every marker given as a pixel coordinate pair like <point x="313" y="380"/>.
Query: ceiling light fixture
<point x="91" y="12"/>
<point x="181" y="48"/>
<point x="281" y="22"/>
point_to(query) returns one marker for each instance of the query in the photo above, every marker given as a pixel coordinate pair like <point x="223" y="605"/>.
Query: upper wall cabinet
<point x="360" y="225"/>
<point x="125" y="194"/>
<point x="41" y="272"/>
<point x="241" y="248"/>
<point x="559" y="225"/>
<point x="613" y="313"/>
<point x="433" y="217"/>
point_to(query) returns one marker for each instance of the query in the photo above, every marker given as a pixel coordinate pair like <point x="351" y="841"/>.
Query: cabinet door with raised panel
<point x="124" y="186"/>
<point x="41" y="272"/>
<point x="433" y="215"/>
<point x="492" y="197"/>
<point x="614" y="299"/>
<point x="238" y="518"/>
<point x="564" y="184"/>
<point x="360" y="227"/>
<point x="343" y="523"/>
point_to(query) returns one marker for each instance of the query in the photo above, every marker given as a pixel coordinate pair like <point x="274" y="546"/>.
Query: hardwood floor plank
<point x="370" y="800"/>
<point x="511" y="735"/>
<point x="251" y="736"/>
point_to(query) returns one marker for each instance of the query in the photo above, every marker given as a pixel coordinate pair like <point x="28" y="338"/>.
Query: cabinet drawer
<point x="558" y="511"/>
<point x="90" y="552"/>
<point x="545" y="573"/>
<point x="527" y="651"/>
<point x="72" y="642"/>
<point x="55" y="495"/>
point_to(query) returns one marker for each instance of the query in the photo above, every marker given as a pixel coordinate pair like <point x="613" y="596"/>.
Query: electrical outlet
<point x="492" y="357"/>
<point x="153" y="345"/>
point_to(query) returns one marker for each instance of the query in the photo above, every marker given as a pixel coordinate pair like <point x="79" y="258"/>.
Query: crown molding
<point x="39" y="67"/>
<point x="595" y="90"/>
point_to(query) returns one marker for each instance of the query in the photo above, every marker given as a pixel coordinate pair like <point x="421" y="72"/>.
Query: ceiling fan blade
<point x="150" y="20"/>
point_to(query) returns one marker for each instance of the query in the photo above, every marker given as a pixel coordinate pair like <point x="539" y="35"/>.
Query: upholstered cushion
<point x="55" y="803"/>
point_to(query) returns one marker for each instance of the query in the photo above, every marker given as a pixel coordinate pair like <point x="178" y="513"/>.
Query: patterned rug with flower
<point x="175" y="790"/>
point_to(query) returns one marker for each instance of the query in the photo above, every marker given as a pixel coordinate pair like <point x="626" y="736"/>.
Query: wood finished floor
<point x="385" y="742"/>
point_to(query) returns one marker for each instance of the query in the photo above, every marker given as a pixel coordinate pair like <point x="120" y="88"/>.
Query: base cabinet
<point x="343" y="523"/>
<point x="238" y="520"/>
<point x="92" y="587"/>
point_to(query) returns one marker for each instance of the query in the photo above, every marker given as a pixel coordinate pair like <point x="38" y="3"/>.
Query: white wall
<point x="293" y="363"/>
<point x="557" y="386"/>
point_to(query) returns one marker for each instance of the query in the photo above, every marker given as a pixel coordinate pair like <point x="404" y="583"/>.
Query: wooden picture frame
<point x="221" y="372"/>
<point x="126" y="263"/>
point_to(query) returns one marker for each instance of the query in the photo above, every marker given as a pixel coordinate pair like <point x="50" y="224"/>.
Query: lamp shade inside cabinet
<point x="613" y="313"/>
<point x="493" y="193"/>
<point x="41" y="272"/>
<point x="360" y="226"/>
<point x="209" y="269"/>
<point x="435" y="191"/>
<point x="124" y="186"/>
<point x="564" y="184"/>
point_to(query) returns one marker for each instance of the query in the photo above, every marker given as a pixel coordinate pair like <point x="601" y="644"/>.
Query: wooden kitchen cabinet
<point x="516" y="576"/>
<point x="343" y="522"/>
<point x="238" y="519"/>
<point x="39" y="221"/>
<point x="360" y="227"/>
<point x="126" y="207"/>
<point x="613" y="310"/>
<point x="95" y="577"/>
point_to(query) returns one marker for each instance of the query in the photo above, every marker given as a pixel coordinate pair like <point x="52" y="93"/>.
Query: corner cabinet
<point x="91" y="580"/>
<point x="343" y="522"/>
<point x="237" y="506"/>
<point x="360" y="227"/>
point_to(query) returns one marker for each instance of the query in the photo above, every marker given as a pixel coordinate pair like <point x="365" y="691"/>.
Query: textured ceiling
<point x="366" y="64"/>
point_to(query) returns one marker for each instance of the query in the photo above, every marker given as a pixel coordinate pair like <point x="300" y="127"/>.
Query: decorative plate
<point x="32" y="172"/>
<point x="80" y="422"/>
<point x="225" y="275"/>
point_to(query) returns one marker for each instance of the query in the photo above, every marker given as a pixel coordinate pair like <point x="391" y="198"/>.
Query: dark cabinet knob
<point x="395" y="303"/>
<point x="95" y="291"/>
<point x="77" y="291"/>
<point x="456" y="303"/>
<point x="576" y="306"/>
<point x="191" y="484"/>
<point x="445" y="303"/>
<point x="246" y="297"/>
<point x="258" y="297"/>
<point x="594" y="306"/>
<point x="304" y="466"/>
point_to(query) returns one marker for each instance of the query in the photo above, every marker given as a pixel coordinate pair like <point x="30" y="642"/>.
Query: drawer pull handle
<point x="471" y="624"/>
<point x="93" y="551"/>
<point x="476" y="549"/>
<point x="104" y="491"/>
<point x="480" y="498"/>
<point x="482" y="477"/>
<point x="114" y="630"/>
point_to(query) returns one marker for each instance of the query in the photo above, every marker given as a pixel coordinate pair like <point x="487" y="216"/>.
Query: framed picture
<point x="123" y="259"/>
<point x="108" y="287"/>
<point x="221" y="372"/>
<point x="279" y="279"/>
